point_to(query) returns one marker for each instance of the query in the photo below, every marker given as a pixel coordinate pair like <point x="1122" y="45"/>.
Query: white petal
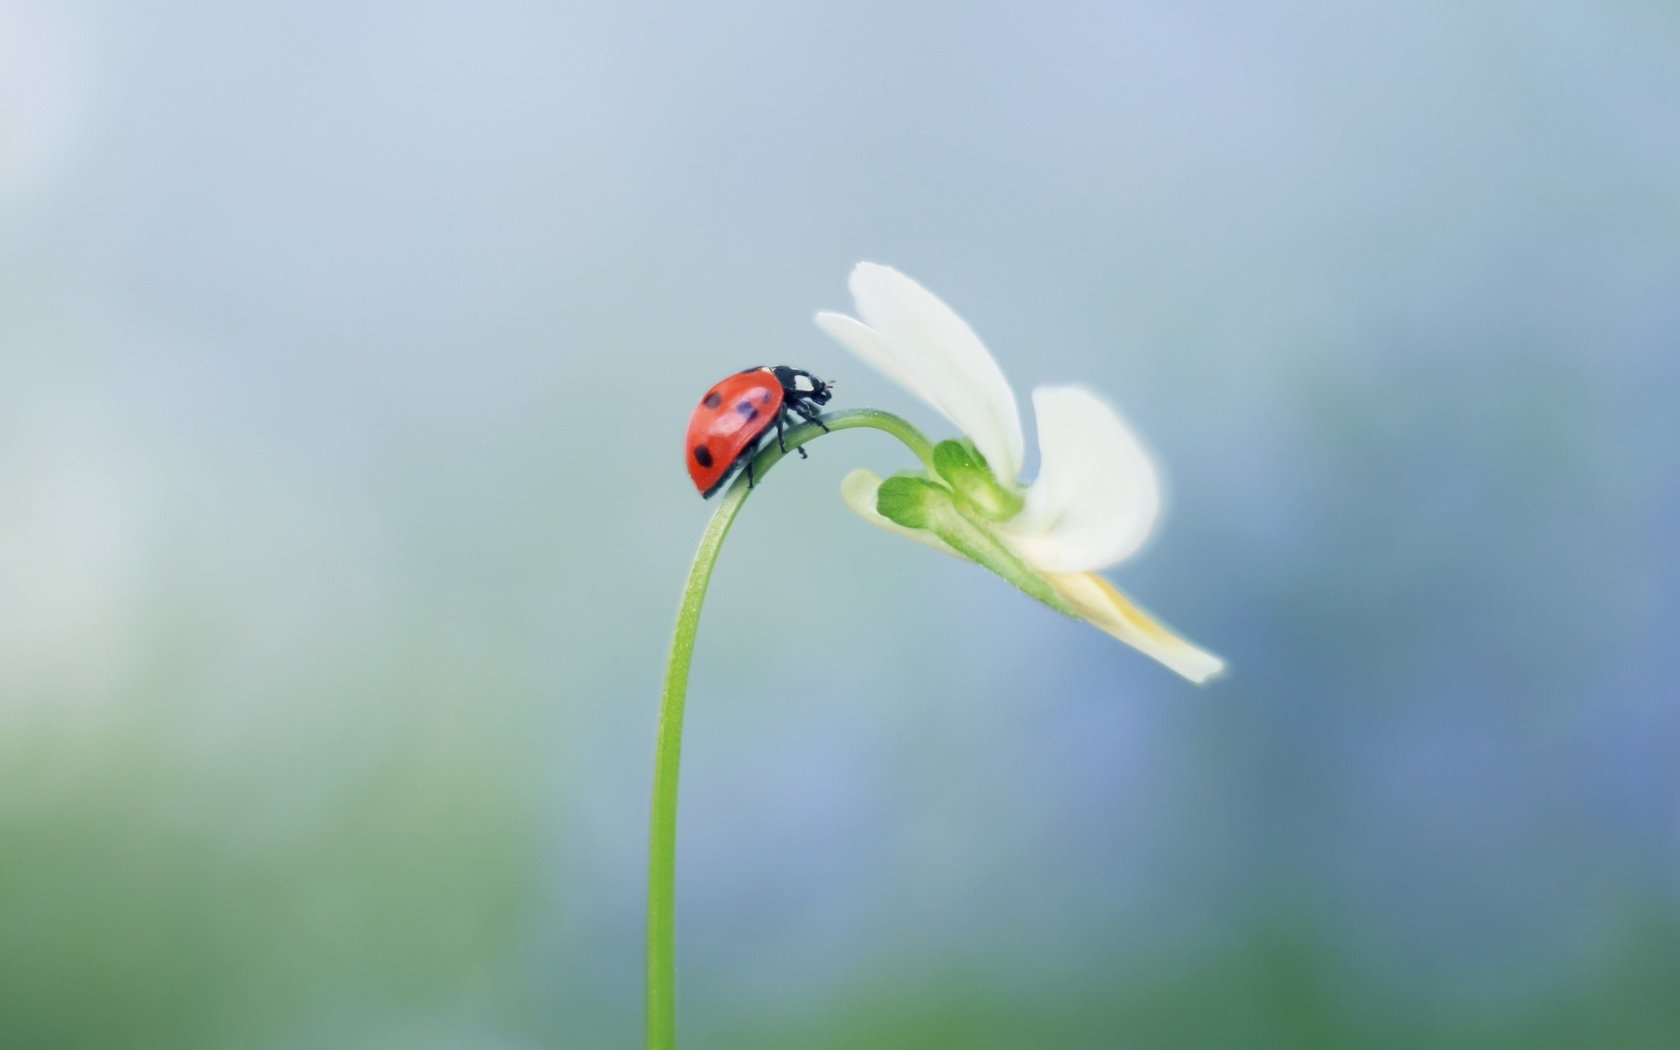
<point x="1097" y="495"/>
<point x="866" y="343"/>
<point x="859" y="489"/>
<point x="920" y="343"/>
<point x="1106" y="608"/>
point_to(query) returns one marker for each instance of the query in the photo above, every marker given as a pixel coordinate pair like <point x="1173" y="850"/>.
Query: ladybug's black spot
<point x="713" y="400"/>
<point x="748" y="410"/>
<point x="702" y="455"/>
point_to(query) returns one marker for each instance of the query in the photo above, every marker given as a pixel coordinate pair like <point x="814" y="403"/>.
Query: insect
<point x="724" y="431"/>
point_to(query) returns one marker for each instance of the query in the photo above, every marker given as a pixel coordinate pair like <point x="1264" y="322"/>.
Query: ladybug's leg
<point x="781" y="416"/>
<point x="811" y="415"/>
<point x="784" y="415"/>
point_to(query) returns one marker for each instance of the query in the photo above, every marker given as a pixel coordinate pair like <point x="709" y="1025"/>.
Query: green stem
<point x="662" y="831"/>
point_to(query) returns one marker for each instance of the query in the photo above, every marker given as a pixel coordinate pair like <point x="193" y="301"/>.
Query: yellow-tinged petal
<point x="1101" y="603"/>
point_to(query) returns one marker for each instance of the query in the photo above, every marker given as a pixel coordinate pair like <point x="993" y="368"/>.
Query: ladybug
<point x="724" y="431"/>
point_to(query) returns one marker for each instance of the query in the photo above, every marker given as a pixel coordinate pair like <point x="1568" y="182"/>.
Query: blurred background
<point x="344" y="355"/>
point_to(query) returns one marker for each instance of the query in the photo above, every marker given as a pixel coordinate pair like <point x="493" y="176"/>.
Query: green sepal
<point x="910" y="499"/>
<point x="962" y="465"/>
<point x="916" y="502"/>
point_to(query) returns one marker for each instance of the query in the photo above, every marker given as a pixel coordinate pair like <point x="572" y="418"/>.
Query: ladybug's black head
<point x="802" y="385"/>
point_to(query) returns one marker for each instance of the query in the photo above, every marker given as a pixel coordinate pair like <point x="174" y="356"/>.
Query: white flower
<point x="1092" y="505"/>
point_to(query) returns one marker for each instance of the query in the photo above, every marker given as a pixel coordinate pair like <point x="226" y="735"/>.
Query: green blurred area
<point x="401" y="914"/>
<point x="147" y="904"/>
<point x="1271" y="987"/>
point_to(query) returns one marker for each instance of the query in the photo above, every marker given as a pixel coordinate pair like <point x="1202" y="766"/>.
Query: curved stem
<point x="662" y="831"/>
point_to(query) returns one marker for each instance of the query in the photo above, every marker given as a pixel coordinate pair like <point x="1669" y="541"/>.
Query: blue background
<point x="344" y="354"/>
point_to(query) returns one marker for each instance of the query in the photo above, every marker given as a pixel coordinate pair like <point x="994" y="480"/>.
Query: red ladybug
<point x="724" y="431"/>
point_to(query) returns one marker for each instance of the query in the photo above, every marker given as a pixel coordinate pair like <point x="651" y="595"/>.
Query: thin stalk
<point x="662" y="829"/>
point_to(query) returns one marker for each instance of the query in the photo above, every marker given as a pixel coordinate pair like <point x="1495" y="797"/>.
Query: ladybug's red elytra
<point x="724" y="431"/>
